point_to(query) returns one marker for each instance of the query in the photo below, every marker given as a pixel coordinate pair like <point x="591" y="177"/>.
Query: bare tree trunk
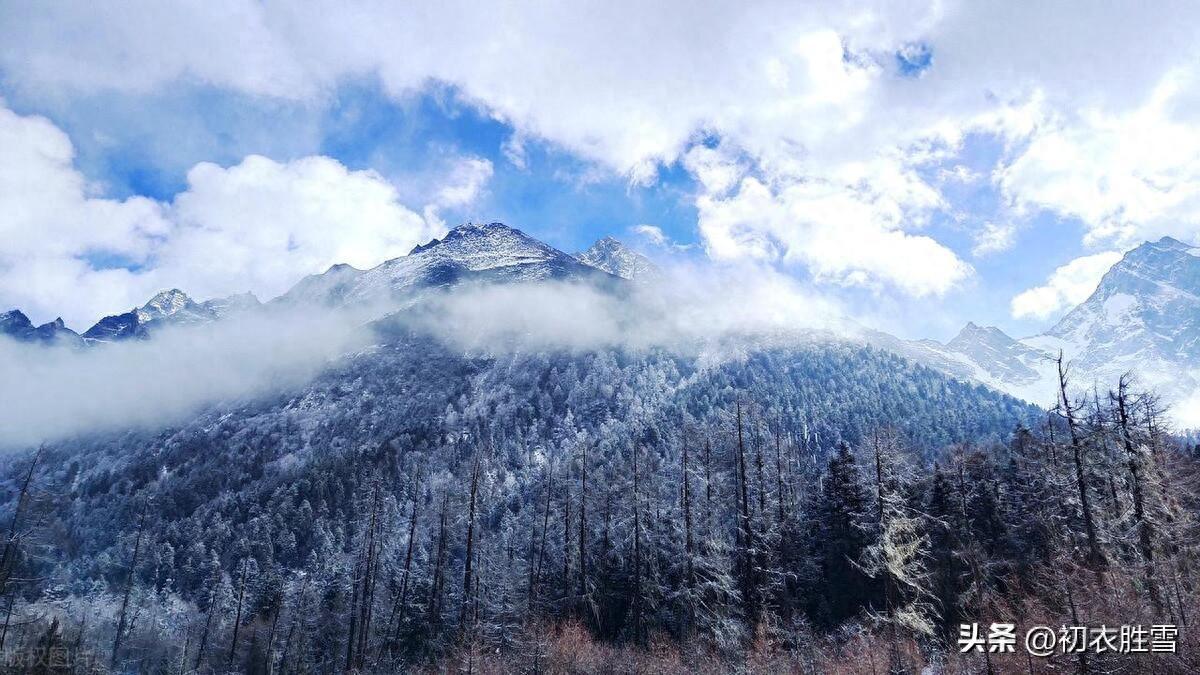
<point x="686" y="498"/>
<point x="367" y="599"/>
<point x="212" y="601"/>
<point x="435" y="590"/>
<point x="470" y="553"/>
<point x="708" y="480"/>
<point x="1145" y="528"/>
<point x="583" y="579"/>
<point x="10" y="542"/>
<point x="745" y="529"/>
<point x="566" y="552"/>
<point x="779" y="489"/>
<point x="889" y="590"/>
<point x="237" y="617"/>
<point x="269" y="658"/>
<point x="137" y="552"/>
<point x="401" y="606"/>
<point x="638" y="603"/>
<point x="545" y="527"/>
<point x="296" y="613"/>
<point x="1095" y="556"/>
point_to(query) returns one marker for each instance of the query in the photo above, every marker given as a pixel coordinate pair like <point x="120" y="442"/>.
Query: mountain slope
<point x="488" y="253"/>
<point x="617" y="259"/>
<point x="16" y="325"/>
<point x="1143" y="317"/>
<point x="168" y="308"/>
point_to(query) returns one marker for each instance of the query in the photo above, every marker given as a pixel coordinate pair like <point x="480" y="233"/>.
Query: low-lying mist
<point x="692" y="310"/>
<point x="49" y="393"/>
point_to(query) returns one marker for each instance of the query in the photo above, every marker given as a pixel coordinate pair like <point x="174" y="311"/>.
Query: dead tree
<point x="400" y="608"/>
<point x="212" y="601"/>
<point x="237" y="618"/>
<point x="129" y="579"/>
<point x="367" y="596"/>
<point x="1136" y="483"/>
<point x="583" y="574"/>
<point x="536" y="576"/>
<point x="638" y="600"/>
<point x="688" y="546"/>
<point x="12" y="545"/>
<point x="470" y="553"/>
<point x="1095" y="555"/>
<point x="745" y="532"/>
<point x="434" y="606"/>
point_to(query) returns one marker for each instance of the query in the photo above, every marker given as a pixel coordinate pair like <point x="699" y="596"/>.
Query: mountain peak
<point x="1171" y="242"/>
<point x="14" y="320"/>
<point x="15" y="324"/>
<point x="231" y="304"/>
<point x="487" y="246"/>
<point x="616" y="258"/>
<point x="469" y="231"/>
<point x="165" y="303"/>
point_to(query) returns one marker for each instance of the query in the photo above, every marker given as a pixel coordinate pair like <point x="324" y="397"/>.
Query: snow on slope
<point x="471" y="252"/>
<point x="1143" y="317"/>
<point x="617" y="259"/>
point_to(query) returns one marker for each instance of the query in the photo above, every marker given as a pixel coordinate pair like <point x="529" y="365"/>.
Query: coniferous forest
<point x="828" y="508"/>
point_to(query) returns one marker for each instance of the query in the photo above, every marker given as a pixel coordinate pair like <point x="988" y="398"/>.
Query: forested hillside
<point x="414" y="506"/>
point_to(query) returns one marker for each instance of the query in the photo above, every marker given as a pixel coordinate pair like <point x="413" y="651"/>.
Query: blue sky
<point x="893" y="162"/>
<point x="136" y="145"/>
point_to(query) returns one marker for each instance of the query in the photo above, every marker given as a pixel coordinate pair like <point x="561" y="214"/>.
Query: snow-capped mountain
<point x="617" y="259"/>
<point x="16" y="325"/>
<point x="170" y="307"/>
<point x="1143" y="317"/>
<point x="493" y="252"/>
<point x="231" y="305"/>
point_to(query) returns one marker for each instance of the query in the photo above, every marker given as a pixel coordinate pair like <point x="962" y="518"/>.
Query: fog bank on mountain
<point x="53" y="392"/>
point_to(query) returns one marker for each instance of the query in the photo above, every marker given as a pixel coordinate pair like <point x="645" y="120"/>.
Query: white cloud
<point x="1128" y="176"/>
<point x="466" y="180"/>
<point x="994" y="238"/>
<point x="1067" y="286"/>
<point x="259" y="225"/>
<point x="845" y="231"/>
<point x="51" y="226"/>
<point x="462" y="186"/>
<point x="49" y="393"/>
<point x="801" y="97"/>
<point x="651" y="233"/>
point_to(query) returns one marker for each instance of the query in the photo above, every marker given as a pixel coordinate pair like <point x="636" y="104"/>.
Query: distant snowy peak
<point x="1147" y="304"/>
<point x="493" y="252"/>
<point x="170" y="307"/>
<point x="173" y="303"/>
<point x="483" y="247"/>
<point x="617" y="259"/>
<point x="231" y="305"/>
<point x="1144" y="317"/>
<point x="16" y="325"/>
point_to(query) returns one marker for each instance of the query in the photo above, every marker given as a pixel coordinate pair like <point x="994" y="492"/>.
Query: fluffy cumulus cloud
<point x="261" y="224"/>
<point x="846" y="229"/>
<point x="256" y="226"/>
<point x="1127" y="175"/>
<point x="1067" y="286"/>
<point x="830" y="119"/>
<point x="64" y="249"/>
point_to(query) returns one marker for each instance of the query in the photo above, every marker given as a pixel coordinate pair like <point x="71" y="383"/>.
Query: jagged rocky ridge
<point x="1143" y="318"/>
